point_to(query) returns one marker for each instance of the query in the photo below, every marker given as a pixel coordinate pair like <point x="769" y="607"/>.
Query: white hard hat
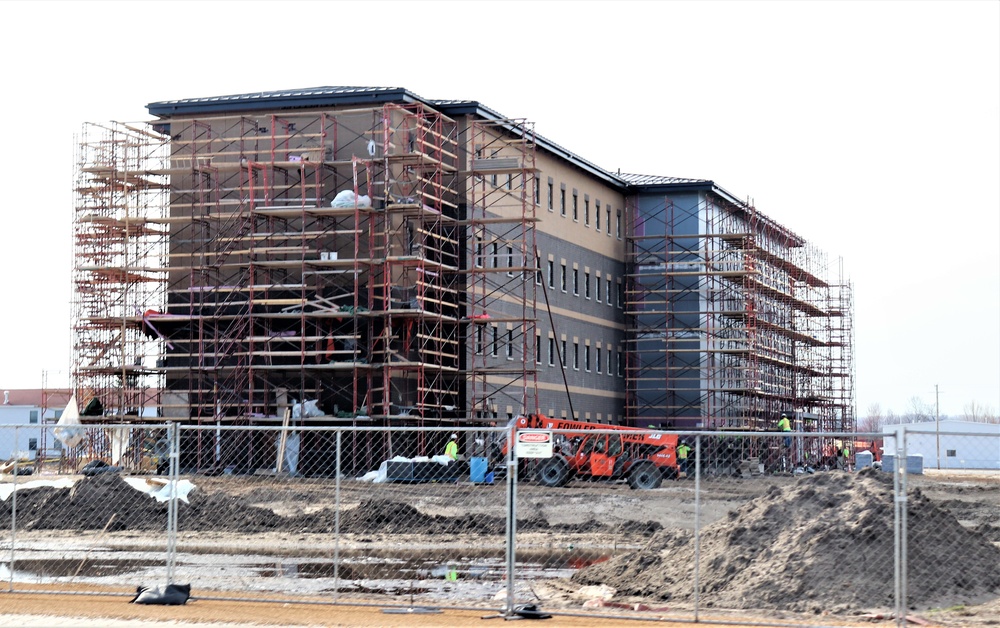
<point x="454" y="436"/>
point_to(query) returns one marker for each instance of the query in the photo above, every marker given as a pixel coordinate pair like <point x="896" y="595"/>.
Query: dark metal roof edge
<point x="476" y="108"/>
<point x="249" y="102"/>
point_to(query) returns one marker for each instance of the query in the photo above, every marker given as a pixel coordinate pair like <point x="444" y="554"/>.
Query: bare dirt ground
<point x="796" y="534"/>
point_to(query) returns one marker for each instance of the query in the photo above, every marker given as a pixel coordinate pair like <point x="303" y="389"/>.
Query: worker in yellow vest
<point x="451" y="449"/>
<point x="682" y="457"/>
<point x="785" y="426"/>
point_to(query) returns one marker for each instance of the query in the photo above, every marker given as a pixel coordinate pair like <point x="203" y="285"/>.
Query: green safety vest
<point x="451" y="450"/>
<point x="784" y="425"/>
<point x="682" y="452"/>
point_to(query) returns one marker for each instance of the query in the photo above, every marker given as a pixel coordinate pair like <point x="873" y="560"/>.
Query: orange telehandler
<point x="641" y="456"/>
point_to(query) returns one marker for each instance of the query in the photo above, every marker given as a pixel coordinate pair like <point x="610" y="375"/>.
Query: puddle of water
<point x="354" y="565"/>
<point x="437" y="574"/>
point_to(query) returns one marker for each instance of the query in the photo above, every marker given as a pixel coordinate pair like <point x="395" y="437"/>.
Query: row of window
<point x="575" y="208"/>
<point x="598" y="359"/>
<point x="569" y="279"/>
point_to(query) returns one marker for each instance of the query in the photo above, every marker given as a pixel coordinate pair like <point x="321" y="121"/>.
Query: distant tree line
<point x="919" y="411"/>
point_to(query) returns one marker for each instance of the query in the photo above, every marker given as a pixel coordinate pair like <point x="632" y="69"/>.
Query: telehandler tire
<point x="644" y="476"/>
<point x="553" y="472"/>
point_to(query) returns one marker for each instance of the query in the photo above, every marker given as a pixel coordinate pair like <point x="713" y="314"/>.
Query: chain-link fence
<point x="625" y="522"/>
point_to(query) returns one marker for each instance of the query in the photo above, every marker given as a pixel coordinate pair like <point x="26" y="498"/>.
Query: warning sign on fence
<point x="533" y="445"/>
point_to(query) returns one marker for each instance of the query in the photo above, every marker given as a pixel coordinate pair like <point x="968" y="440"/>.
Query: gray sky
<point x="872" y="129"/>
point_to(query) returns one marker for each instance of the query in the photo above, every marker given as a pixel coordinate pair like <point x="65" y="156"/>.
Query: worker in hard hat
<point x="785" y="426"/>
<point x="683" y="450"/>
<point x="451" y="449"/>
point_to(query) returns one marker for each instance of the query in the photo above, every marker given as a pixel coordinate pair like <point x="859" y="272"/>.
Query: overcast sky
<point x="871" y="129"/>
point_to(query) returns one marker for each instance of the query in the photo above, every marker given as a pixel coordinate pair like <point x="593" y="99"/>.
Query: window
<point x="586" y="284"/>
<point x="479" y="251"/>
<point x="586" y="358"/>
<point x="564" y="353"/>
<point x="550" y="194"/>
<point x="510" y="261"/>
<point x="562" y="202"/>
<point x="496" y="342"/>
<point x="597" y="358"/>
<point x="510" y="182"/>
<point x="607" y="293"/>
<point x="951" y="453"/>
<point x="609" y="362"/>
<point x="479" y="340"/>
<point x="618" y="224"/>
<point x="510" y="344"/>
<point x="597" y="288"/>
<point x="32" y="444"/>
<point x="538" y="348"/>
<point x="562" y="278"/>
<point x="607" y="223"/>
<point x="493" y="179"/>
<point x="538" y="270"/>
<point x="538" y="191"/>
<point x="576" y="211"/>
<point x="586" y="211"/>
<point x="33" y="416"/>
<point x="597" y="213"/>
<point x="496" y="255"/>
<point x="576" y="281"/>
<point x="552" y="351"/>
<point x="618" y="359"/>
<point x="552" y="272"/>
<point x="576" y="356"/>
<point x="621" y="295"/>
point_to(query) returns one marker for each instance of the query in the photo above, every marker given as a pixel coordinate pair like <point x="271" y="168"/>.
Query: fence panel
<point x="83" y="507"/>
<point x="951" y="520"/>
<point x="766" y="525"/>
<point x="349" y="514"/>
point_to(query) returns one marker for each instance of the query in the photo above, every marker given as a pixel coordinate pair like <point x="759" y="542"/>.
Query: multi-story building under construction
<point x="368" y="256"/>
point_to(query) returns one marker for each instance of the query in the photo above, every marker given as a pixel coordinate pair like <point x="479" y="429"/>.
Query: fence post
<point x="13" y="515"/>
<point x="173" y="437"/>
<point x="697" y="522"/>
<point x="336" y="521"/>
<point x="899" y="525"/>
<point x="511" y="525"/>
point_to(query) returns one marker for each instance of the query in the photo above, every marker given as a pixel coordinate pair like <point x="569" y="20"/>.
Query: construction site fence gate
<point x="770" y="525"/>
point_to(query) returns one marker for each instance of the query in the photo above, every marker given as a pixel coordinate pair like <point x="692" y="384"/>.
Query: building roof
<point x="653" y="179"/>
<point x="327" y="96"/>
<point x="36" y="397"/>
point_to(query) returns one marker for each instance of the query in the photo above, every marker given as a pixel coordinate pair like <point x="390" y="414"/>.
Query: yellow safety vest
<point x="682" y="452"/>
<point x="451" y="450"/>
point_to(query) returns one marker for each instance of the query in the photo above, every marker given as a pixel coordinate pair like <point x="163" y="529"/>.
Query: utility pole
<point x="937" y="423"/>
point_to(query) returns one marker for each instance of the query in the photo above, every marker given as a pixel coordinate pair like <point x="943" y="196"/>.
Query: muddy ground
<point x="811" y="544"/>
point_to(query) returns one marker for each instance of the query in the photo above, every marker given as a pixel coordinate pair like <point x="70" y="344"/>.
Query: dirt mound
<point x="91" y="502"/>
<point x="824" y="545"/>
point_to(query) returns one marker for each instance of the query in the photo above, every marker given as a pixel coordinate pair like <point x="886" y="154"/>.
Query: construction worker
<point x="785" y="426"/>
<point x="682" y="457"/>
<point x="846" y="460"/>
<point x="451" y="449"/>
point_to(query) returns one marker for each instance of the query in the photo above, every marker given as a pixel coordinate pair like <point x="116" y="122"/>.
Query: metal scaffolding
<point x="732" y="320"/>
<point x="502" y="286"/>
<point x="229" y="269"/>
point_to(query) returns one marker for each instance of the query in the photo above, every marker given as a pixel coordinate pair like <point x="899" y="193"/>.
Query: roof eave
<point x="168" y="109"/>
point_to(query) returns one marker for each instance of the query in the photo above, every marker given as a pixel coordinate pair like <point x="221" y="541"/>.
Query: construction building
<point x="397" y="260"/>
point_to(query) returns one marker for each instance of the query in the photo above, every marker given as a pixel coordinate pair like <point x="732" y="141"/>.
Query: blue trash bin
<point x="477" y="469"/>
